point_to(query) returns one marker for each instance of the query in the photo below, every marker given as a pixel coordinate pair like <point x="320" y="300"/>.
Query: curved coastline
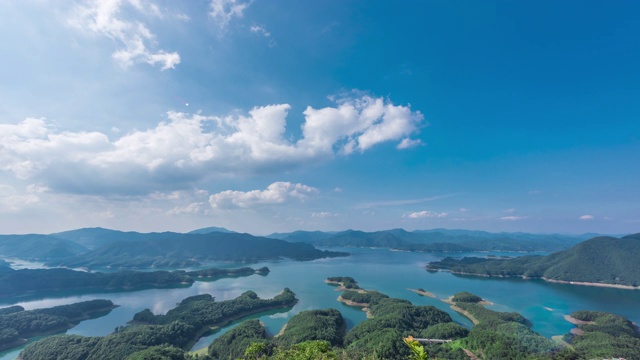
<point x="582" y="283"/>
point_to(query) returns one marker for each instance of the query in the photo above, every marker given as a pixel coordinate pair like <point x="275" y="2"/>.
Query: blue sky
<point x="264" y="116"/>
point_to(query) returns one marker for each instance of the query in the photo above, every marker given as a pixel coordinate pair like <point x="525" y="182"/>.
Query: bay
<point x="390" y="272"/>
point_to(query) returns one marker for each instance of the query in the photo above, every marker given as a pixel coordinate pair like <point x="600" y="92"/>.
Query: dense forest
<point x="604" y="260"/>
<point x="96" y="248"/>
<point x="150" y="333"/>
<point x="320" y="334"/>
<point x="41" y="281"/>
<point x="17" y="324"/>
<point x="604" y="335"/>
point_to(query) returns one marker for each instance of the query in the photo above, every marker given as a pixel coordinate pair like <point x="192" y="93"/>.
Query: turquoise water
<point x="391" y="272"/>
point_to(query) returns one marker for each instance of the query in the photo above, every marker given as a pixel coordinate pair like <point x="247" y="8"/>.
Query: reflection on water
<point x="379" y="269"/>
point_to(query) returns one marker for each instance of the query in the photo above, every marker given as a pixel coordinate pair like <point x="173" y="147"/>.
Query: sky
<point x="273" y="116"/>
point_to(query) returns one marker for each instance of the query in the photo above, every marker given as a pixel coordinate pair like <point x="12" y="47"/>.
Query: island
<point x="17" y="324"/>
<point x="177" y="330"/>
<point x="33" y="282"/>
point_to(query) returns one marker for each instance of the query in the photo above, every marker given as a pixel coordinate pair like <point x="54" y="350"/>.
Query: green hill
<point x="177" y="250"/>
<point x="604" y="260"/>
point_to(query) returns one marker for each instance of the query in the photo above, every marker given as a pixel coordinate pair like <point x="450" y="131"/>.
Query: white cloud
<point x="276" y="193"/>
<point x="223" y="11"/>
<point x="408" y="143"/>
<point x="105" y="17"/>
<point x="323" y="215"/>
<point x="12" y="201"/>
<point x="513" y="218"/>
<point x="260" y="31"/>
<point x="357" y="124"/>
<point x="191" y="147"/>
<point x="586" y="217"/>
<point x="426" y="214"/>
<point x="509" y="211"/>
<point x="199" y="208"/>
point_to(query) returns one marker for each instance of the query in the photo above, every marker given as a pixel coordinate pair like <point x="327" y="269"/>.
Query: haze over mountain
<point x="434" y="240"/>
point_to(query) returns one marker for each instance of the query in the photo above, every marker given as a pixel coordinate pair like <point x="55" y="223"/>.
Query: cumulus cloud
<point x="357" y="124"/>
<point x="223" y="11"/>
<point x="586" y="217"/>
<point x="426" y="214"/>
<point x="513" y="218"/>
<point x="105" y="17"/>
<point x="190" y="147"/>
<point x="276" y="193"/>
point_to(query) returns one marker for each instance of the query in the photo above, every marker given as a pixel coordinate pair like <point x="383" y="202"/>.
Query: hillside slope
<point x="601" y="260"/>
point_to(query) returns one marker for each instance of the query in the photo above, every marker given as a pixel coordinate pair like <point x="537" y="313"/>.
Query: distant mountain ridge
<point x="600" y="260"/>
<point x="435" y="240"/>
<point x="105" y="248"/>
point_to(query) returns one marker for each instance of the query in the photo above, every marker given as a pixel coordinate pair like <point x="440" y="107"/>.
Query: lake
<point x="390" y="272"/>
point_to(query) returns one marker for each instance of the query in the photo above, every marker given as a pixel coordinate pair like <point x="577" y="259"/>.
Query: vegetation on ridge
<point x="602" y="260"/>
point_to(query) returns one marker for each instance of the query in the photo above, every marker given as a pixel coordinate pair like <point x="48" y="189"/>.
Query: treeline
<point x="504" y="335"/>
<point x="157" y="250"/>
<point x="39" y="281"/>
<point x="179" y="328"/>
<point x="313" y="325"/>
<point x="16" y="323"/>
<point x="605" y="336"/>
<point x="346" y="281"/>
<point x="203" y="310"/>
<point x="605" y="260"/>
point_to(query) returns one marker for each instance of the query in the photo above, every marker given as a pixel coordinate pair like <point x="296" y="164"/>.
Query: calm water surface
<point x="390" y="272"/>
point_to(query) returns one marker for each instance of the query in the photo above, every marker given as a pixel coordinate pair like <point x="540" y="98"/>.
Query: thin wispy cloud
<point x="136" y="41"/>
<point x="323" y="214"/>
<point x="426" y="214"/>
<point x="403" y="202"/>
<point x="586" y="217"/>
<point x="222" y="12"/>
<point x="513" y="218"/>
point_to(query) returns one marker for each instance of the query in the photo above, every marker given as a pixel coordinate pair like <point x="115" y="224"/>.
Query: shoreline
<point x="577" y="322"/>
<point x="460" y="310"/>
<point x="364" y="306"/>
<point x="581" y="283"/>
<point x="422" y="293"/>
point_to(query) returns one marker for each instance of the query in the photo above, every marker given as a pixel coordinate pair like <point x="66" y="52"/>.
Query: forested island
<point x="320" y="334"/>
<point x="47" y="281"/>
<point x="18" y="324"/>
<point x="173" y="332"/>
<point x="599" y="261"/>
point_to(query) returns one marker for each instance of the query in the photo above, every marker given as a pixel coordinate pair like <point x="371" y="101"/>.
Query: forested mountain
<point x="435" y="240"/>
<point x="98" y="247"/>
<point x="36" y="246"/>
<point x="605" y="260"/>
<point x="210" y="229"/>
<point x="35" y="282"/>
<point x="174" y="249"/>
